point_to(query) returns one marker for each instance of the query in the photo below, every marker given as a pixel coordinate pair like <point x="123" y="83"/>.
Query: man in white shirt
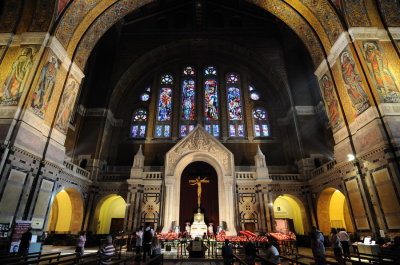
<point x="345" y="241"/>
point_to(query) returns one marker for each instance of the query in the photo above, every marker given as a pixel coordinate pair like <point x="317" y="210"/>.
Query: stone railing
<point x="118" y="169"/>
<point x="323" y="169"/>
<point x="153" y="175"/>
<point x="76" y="170"/>
<point x="113" y="178"/>
<point x="245" y="175"/>
<point x="285" y="177"/>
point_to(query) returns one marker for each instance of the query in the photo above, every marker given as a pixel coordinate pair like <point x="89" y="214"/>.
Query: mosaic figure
<point x="10" y="93"/>
<point x="66" y="105"/>
<point x="188" y="99"/>
<point x="234" y="103"/>
<point x="211" y="100"/>
<point x="353" y="83"/>
<point x="45" y="87"/>
<point x="165" y="104"/>
<point x="332" y="105"/>
<point x="382" y="76"/>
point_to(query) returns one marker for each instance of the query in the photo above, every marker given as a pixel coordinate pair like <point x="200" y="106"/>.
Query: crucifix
<point x="198" y="182"/>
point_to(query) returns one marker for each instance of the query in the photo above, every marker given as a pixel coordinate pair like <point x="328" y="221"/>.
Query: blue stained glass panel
<point x="208" y="128"/>
<point x="134" y="131"/>
<point x="210" y="70"/>
<point x="254" y="96"/>
<point x="232" y="78"/>
<point x="166" y="130"/>
<point x="183" y="131"/>
<point x="251" y="88"/>
<point x="265" y="130"/>
<point x="148" y="89"/>
<point x="165" y="104"/>
<point x="191" y="127"/>
<point x="234" y="104"/>
<point x="216" y="130"/>
<point x="211" y="100"/>
<point x="188" y="99"/>
<point x="188" y="70"/>
<point x="140" y="115"/>
<point x="232" y="131"/>
<point x="166" y="79"/>
<point x="144" y="97"/>
<point x="260" y="114"/>
<point x="142" y="131"/>
<point x="159" y="130"/>
<point x="240" y="129"/>
<point x="257" y="131"/>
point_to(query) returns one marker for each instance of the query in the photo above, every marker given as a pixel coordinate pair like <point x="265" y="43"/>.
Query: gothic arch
<point x="200" y="146"/>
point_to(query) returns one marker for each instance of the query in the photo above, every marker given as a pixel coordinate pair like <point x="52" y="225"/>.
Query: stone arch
<point x="325" y="210"/>
<point x="102" y="217"/>
<point x="302" y="225"/>
<point x="66" y="214"/>
<point x="200" y="146"/>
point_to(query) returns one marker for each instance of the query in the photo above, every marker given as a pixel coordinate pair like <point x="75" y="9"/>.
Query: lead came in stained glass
<point x="165" y="104"/>
<point x="240" y="130"/>
<point x="211" y="100"/>
<point x="260" y="114"/>
<point x="216" y="130"/>
<point x="254" y="96"/>
<point x="140" y="115"/>
<point x="234" y="104"/>
<point x="144" y="97"/>
<point x="208" y="128"/>
<point x="142" y="131"/>
<point x="210" y="70"/>
<point x="134" y="131"/>
<point x="232" y="131"/>
<point x="183" y="131"/>
<point x="166" y="79"/>
<point x="257" y="130"/>
<point x="188" y="70"/>
<point x="232" y="78"/>
<point x="158" y="130"/>
<point x="265" y="130"/>
<point x="166" y="130"/>
<point x="188" y="99"/>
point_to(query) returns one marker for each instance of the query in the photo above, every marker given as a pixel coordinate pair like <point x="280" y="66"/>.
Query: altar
<point x="199" y="227"/>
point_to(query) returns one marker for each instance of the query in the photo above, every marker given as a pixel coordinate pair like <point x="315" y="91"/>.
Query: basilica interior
<point x="289" y="110"/>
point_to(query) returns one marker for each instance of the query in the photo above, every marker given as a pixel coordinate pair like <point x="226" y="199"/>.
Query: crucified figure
<point x="198" y="182"/>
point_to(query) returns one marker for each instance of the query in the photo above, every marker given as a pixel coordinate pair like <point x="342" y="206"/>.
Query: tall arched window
<point x="211" y="105"/>
<point x="261" y="126"/>
<point x="139" y="121"/>
<point x="234" y="101"/>
<point x="188" y="99"/>
<point x="164" y="113"/>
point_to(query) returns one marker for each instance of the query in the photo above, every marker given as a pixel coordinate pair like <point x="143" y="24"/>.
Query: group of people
<point x="147" y="242"/>
<point x="339" y="241"/>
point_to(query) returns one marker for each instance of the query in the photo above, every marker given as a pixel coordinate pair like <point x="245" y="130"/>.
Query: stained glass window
<point x="148" y="89"/>
<point x="210" y="70"/>
<point x="144" y="97"/>
<point x="254" y="96"/>
<point x="188" y="70"/>
<point x="232" y="78"/>
<point x="234" y="104"/>
<point x="211" y="100"/>
<point x="166" y="80"/>
<point x="188" y="100"/>
<point x="165" y="104"/>
<point x="139" y="120"/>
<point x="251" y="88"/>
<point x="261" y="126"/>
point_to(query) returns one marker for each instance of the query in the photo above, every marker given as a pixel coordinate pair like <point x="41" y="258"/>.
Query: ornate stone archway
<point x="199" y="145"/>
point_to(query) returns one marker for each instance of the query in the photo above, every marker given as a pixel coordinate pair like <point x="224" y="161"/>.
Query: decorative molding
<point x="58" y="137"/>
<point x="60" y="52"/>
<point x="305" y="110"/>
<point x="395" y="32"/>
<point x="30" y="38"/>
<point x="35" y="122"/>
<point x="362" y="120"/>
<point x="322" y="69"/>
<point x="340" y="135"/>
<point x="5" y="38"/>
<point x="389" y="108"/>
<point x="338" y="47"/>
<point x="8" y="112"/>
<point x="368" y="33"/>
<point x="77" y="72"/>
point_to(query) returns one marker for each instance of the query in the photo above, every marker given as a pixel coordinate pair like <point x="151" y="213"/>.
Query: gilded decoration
<point x="42" y="16"/>
<point x="391" y="12"/>
<point x="43" y="92"/>
<point x="353" y="82"/>
<point x="66" y="105"/>
<point x="101" y="25"/>
<point x="291" y="18"/>
<point x="326" y="14"/>
<point x="356" y="13"/>
<point x="9" y="15"/>
<point x="331" y="102"/>
<point x="11" y="89"/>
<point x="61" y="5"/>
<point x="73" y="16"/>
<point x="380" y="72"/>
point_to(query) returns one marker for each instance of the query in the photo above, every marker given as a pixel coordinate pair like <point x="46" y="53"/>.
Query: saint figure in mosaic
<point x="384" y="80"/>
<point x="66" y="105"/>
<point x="332" y="105"/>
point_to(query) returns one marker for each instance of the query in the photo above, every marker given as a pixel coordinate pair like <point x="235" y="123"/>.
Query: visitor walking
<point x="317" y="246"/>
<point x="227" y="253"/>
<point x="80" y="243"/>
<point x="345" y="242"/>
<point x="25" y="242"/>
<point x="147" y="239"/>
<point x="251" y="251"/>
<point x="107" y="251"/>
<point x="272" y="253"/>
<point x="336" y="246"/>
<point x="139" y="240"/>
<point x="155" y="247"/>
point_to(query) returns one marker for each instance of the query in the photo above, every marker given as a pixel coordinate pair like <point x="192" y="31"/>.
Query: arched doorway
<point x="110" y="215"/>
<point x="66" y="212"/>
<point x="209" y="195"/>
<point x="290" y="215"/>
<point x="332" y="211"/>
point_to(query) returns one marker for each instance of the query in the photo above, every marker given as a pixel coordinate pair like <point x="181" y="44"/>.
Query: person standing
<point x="336" y="246"/>
<point x="272" y="254"/>
<point x="345" y="242"/>
<point x="107" y="251"/>
<point x="227" y="253"/>
<point x="317" y="247"/>
<point x="155" y="247"/>
<point x="251" y="251"/>
<point x="139" y="240"/>
<point x="25" y="242"/>
<point x="147" y="238"/>
<point x="80" y="243"/>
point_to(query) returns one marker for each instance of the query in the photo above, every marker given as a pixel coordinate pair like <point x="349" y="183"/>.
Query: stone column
<point x="170" y="209"/>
